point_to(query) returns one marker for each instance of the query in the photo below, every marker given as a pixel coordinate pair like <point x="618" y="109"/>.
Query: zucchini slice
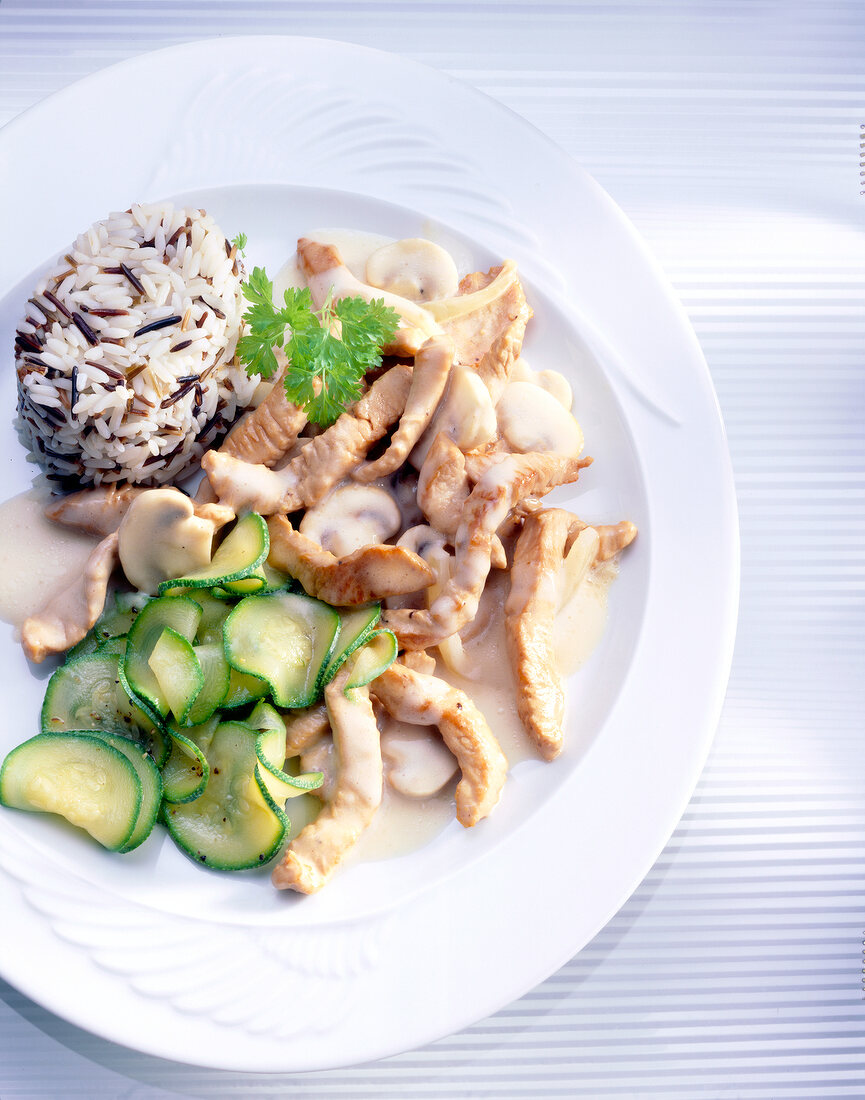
<point x="266" y="578"/>
<point x="175" y="665"/>
<point x="78" y="776"/>
<point x="268" y="723"/>
<point x="151" y="787"/>
<point x="355" y="626"/>
<point x="178" y="612"/>
<point x="243" y="689"/>
<point x="214" y="612"/>
<point x="114" y="622"/>
<point x="185" y="772"/>
<point x="376" y="654"/>
<point x="239" y="554"/>
<point x="286" y="639"/>
<point x="235" y="823"/>
<point x="88" y="694"/>
<point x="216" y="677"/>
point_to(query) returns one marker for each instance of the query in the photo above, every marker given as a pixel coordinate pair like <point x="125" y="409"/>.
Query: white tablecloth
<point x="730" y="132"/>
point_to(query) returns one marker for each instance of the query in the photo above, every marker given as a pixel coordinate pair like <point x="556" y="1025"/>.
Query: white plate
<point x="275" y="135"/>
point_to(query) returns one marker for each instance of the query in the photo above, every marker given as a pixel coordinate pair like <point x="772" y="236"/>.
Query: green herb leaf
<point x="325" y="372"/>
<point x="239" y="242"/>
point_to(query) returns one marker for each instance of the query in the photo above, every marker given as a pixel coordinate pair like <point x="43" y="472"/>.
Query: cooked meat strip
<point x="491" y="338"/>
<point x="613" y="537"/>
<point x="304" y="727"/>
<point x="66" y="619"/>
<point x="98" y="511"/>
<point x="313" y="856"/>
<point x="443" y="488"/>
<point x="443" y="485"/>
<point x="429" y="377"/>
<point x="499" y="489"/>
<point x="324" y="460"/>
<point x="325" y="272"/>
<point x="426" y="700"/>
<point x="530" y="611"/>
<point x="367" y="574"/>
<point x="418" y="660"/>
<point x="264" y="435"/>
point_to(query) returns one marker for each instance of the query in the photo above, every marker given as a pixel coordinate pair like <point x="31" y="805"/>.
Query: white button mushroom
<point x="161" y="537"/>
<point x="422" y="540"/>
<point x="549" y="380"/>
<point x="414" y="268"/>
<point x="350" y="517"/>
<point x="531" y="419"/>
<point x="417" y="763"/>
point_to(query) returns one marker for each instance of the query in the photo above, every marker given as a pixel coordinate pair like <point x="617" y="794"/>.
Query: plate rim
<point x="730" y="533"/>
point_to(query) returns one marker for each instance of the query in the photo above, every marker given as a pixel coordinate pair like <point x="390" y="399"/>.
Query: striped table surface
<point x="732" y="135"/>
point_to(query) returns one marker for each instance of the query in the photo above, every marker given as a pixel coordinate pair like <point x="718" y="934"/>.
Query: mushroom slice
<point x="325" y="460"/>
<point x="489" y="337"/>
<point x="164" y="534"/>
<point x="350" y="517"/>
<point x="101" y="510"/>
<point x="316" y="852"/>
<point x="326" y="274"/>
<point x="431" y="369"/>
<point x="264" y="435"/>
<point x="465" y="414"/>
<point x="531" y="419"/>
<point x="413" y="268"/>
<point x="424" y="700"/>
<point x="368" y="574"/>
<point x="66" y="618"/>
<point x="98" y="511"/>
<point x="505" y="483"/>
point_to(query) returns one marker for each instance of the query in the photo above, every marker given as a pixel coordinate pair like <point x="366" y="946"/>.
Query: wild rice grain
<point x="93" y="341"/>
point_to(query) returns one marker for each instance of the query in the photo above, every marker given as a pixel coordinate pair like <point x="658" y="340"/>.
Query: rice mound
<point x="125" y="357"/>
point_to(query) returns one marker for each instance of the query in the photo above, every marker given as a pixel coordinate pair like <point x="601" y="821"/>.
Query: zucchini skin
<point x="74" y="750"/>
<point x="184" y="781"/>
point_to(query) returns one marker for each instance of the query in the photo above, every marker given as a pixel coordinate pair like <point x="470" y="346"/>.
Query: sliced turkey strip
<point x="66" y="618"/>
<point x="426" y="700"/>
<point x="501" y="487"/>
<point x="325" y="460"/>
<point x="313" y="856"/>
<point x="325" y="273"/>
<point x="367" y="574"/>
<point x="429" y="377"/>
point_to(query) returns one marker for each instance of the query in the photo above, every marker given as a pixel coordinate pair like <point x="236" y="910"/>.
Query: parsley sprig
<point x="325" y="371"/>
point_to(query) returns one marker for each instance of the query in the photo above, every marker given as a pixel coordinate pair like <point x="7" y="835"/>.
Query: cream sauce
<point x="579" y="625"/>
<point x="403" y="825"/>
<point x="417" y="762"/>
<point x="38" y="558"/>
